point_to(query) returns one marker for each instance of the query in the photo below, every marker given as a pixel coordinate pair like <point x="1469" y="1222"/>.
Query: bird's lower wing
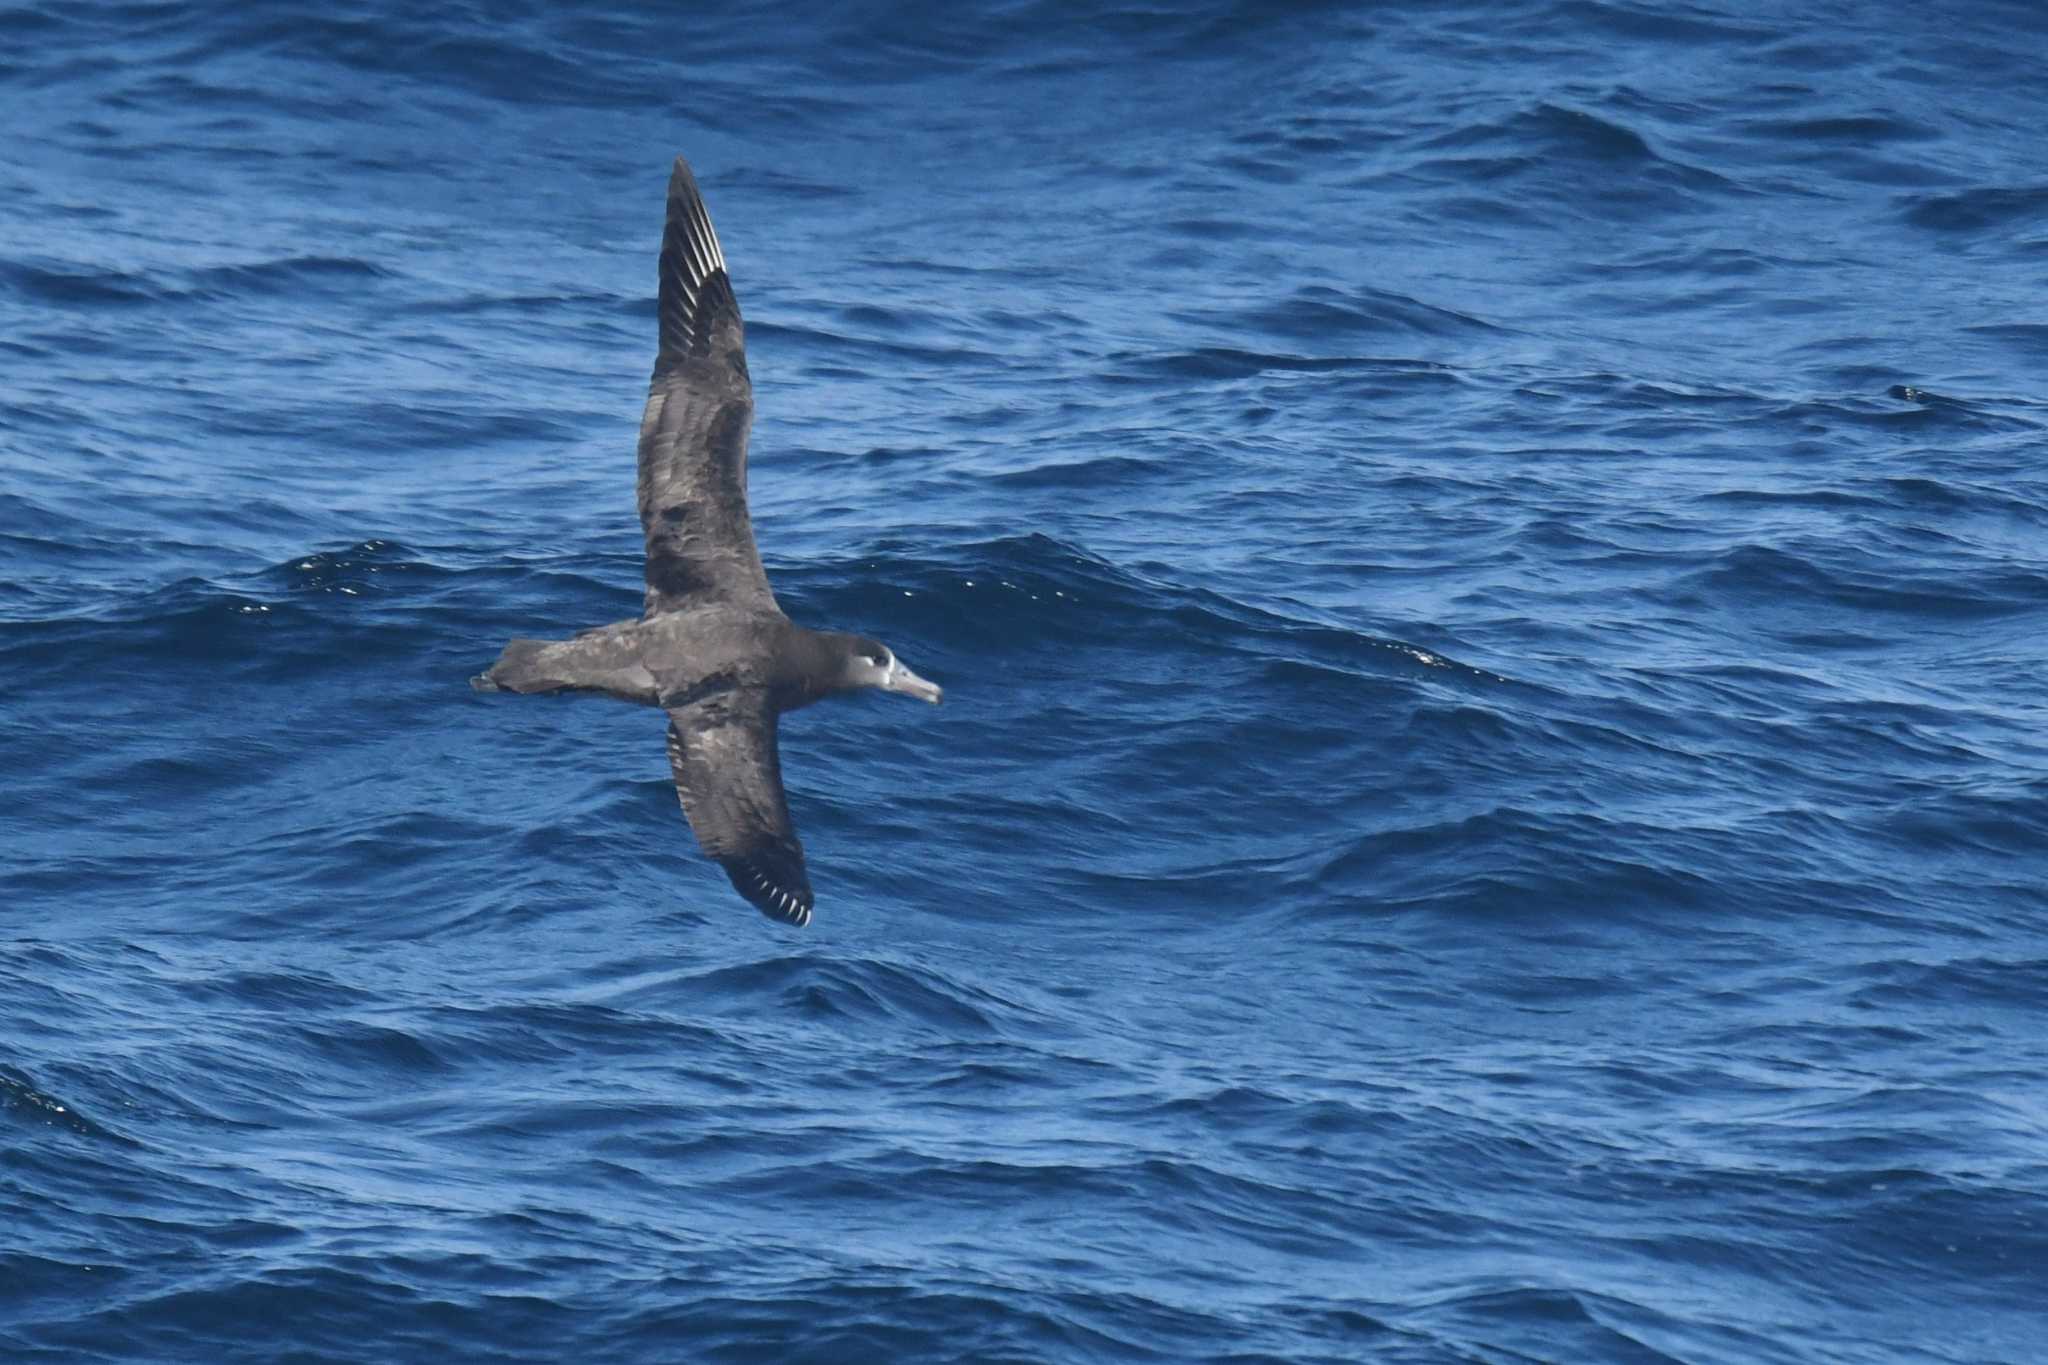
<point x="722" y="750"/>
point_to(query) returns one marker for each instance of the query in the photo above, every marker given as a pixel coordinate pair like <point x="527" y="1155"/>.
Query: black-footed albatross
<point x="712" y="648"/>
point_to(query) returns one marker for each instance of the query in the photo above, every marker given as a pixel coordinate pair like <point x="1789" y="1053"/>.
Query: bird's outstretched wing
<point x="729" y="776"/>
<point x="693" y="436"/>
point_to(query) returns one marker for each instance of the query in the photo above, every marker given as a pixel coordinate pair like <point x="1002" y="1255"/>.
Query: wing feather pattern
<point x="693" y="435"/>
<point x="728" y="773"/>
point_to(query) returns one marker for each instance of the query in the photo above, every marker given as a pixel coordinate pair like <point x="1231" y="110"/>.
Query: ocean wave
<point x="1485" y="562"/>
<point x="294" y="276"/>
<point x="856" y="991"/>
<point x="1978" y="210"/>
<point x="21" y="1101"/>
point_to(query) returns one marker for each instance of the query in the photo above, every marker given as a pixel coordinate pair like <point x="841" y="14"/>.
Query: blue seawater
<point x="1490" y="567"/>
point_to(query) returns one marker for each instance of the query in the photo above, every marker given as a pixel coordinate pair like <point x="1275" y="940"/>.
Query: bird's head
<point x="870" y="663"/>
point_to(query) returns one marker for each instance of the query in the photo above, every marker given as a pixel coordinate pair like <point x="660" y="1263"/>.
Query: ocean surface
<point x="1489" y="563"/>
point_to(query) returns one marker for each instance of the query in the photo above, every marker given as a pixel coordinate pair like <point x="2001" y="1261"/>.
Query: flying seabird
<point x="712" y="647"/>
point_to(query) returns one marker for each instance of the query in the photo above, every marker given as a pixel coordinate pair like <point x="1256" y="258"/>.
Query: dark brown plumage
<point x="711" y="648"/>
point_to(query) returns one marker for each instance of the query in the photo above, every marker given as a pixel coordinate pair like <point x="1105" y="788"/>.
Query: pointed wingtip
<point x="784" y="910"/>
<point x="696" y="292"/>
<point x="772" y="890"/>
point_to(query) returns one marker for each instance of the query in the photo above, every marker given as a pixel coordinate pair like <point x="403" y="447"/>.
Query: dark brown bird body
<point x="712" y="647"/>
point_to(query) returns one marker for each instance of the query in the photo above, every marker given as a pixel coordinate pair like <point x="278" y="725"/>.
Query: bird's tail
<point x="603" y="660"/>
<point x="523" y="667"/>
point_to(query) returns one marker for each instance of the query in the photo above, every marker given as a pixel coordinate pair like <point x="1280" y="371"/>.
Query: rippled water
<point x="1487" y="564"/>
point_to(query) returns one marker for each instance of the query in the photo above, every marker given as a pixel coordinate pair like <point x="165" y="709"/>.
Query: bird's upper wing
<point x="693" y="437"/>
<point x="722" y="750"/>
